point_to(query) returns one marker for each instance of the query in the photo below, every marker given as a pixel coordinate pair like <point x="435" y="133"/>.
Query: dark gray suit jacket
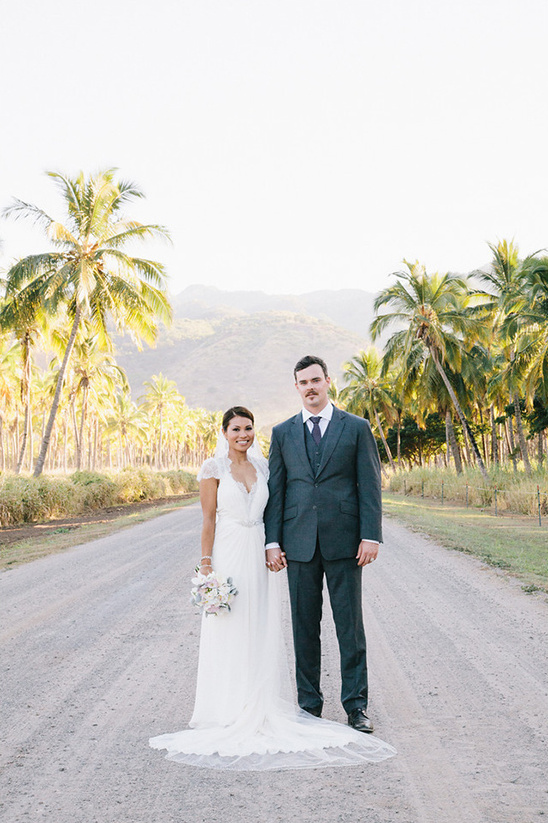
<point x="340" y="505"/>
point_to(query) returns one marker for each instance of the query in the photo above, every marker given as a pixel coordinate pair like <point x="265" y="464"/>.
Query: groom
<point x="324" y="516"/>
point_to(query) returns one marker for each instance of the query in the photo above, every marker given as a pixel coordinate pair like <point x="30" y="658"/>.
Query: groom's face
<point x="313" y="386"/>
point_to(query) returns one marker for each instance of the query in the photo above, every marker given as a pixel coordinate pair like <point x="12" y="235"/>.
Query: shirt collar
<point x="326" y="413"/>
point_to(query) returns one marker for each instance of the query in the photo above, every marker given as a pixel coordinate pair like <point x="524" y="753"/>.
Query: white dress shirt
<point x="325" y="414"/>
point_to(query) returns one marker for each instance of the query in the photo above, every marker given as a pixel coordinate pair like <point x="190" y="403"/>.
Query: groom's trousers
<point x="306" y="595"/>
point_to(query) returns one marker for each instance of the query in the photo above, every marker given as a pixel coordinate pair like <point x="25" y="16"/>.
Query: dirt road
<point x="99" y="647"/>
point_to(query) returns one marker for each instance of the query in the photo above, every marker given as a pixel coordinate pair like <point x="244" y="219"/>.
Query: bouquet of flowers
<point x="211" y="593"/>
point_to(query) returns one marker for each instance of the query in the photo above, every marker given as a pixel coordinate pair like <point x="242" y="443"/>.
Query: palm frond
<point x="61" y="235"/>
<point x="31" y="268"/>
<point x="21" y="210"/>
<point x="129" y="230"/>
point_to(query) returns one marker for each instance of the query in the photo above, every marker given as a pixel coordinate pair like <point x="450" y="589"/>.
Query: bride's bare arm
<point x="208" y="499"/>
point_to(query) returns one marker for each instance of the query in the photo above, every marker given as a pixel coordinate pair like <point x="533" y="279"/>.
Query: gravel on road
<point x="99" y="649"/>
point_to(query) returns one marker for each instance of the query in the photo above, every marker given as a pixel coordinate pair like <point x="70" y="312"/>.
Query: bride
<point x="242" y="717"/>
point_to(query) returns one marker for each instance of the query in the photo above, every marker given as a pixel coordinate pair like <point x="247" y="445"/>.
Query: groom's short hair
<point x="310" y="360"/>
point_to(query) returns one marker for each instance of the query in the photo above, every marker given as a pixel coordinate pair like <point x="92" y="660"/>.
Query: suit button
<point x="314" y="507"/>
<point x="316" y="485"/>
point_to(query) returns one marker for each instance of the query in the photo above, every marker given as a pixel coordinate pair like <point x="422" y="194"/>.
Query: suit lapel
<point x="297" y="435"/>
<point x="332" y="435"/>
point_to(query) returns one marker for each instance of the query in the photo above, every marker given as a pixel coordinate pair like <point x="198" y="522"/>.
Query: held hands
<point x="275" y="560"/>
<point x="367" y="552"/>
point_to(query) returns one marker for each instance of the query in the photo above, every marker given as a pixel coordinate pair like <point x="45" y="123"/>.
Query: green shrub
<point x="140" y="484"/>
<point x="96" y="490"/>
<point x="180" y="481"/>
<point x="516" y="492"/>
<point x="27" y="499"/>
<point x="30" y="499"/>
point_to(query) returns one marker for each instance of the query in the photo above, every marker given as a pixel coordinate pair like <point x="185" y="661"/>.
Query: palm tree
<point x="126" y="421"/>
<point x="334" y="393"/>
<point x="22" y="314"/>
<point x="528" y="320"/>
<point x="8" y="391"/>
<point x="90" y="273"/>
<point x="161" y="398"/>
<point x="515" y="300"/>
<point x="43" y="391"/>
<point x="92" y="365"/>
<point x="419" y="383"/>
<point x="366" y="392"/>
<point x="434" y="312"/>
<point x="209" y="427"/>
<point x="508" y="294"/>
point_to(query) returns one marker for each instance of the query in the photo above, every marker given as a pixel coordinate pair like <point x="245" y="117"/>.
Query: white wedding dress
<point x="241" y="719"/>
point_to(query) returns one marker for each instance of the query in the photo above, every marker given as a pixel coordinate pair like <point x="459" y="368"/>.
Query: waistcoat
<point x="314" y="451"/>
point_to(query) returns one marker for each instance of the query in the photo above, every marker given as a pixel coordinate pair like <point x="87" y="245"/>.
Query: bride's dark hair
<point x="236" y="411"/>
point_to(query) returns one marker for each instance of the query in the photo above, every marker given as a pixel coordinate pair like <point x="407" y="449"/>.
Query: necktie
<point x="316" y="433"/>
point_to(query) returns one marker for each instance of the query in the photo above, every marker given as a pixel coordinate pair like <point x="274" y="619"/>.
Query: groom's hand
<point x="367" y="552"/>
<point x="275" y="560"/>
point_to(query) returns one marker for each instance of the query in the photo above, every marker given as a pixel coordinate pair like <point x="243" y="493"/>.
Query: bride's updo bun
<point x="236" y="411"/>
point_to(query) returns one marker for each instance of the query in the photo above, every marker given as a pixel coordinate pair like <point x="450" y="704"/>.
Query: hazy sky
<point x="288" y="145"/>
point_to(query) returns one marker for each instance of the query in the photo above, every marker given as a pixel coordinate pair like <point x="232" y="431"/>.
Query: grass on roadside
<point x="34" y="499"/>
<point x="515" y="491"/>
<point x="67" y="537"/>
<point x="518" y="545"/>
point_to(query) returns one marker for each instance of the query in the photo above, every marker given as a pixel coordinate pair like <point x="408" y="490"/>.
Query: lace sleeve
<point x="209" y="469"/>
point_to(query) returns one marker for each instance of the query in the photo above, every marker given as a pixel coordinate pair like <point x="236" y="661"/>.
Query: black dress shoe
<point x="315" y="712"/>
<point x="358" y="719"/>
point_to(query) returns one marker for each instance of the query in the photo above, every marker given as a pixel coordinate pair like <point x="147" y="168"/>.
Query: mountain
<point x="226" y="348"/>
<point x="351" y="309"/>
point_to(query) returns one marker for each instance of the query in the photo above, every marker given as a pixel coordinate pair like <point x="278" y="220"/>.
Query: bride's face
<point x="240" y="434"/>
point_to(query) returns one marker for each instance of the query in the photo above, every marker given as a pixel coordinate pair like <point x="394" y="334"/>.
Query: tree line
<point x="69" y="301"/>
<point x="463" y="378"/>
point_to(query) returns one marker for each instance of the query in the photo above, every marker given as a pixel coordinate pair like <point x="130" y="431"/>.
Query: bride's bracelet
<point x="206" y="557"/>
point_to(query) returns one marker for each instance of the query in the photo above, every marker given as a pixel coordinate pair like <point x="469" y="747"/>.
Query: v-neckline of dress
<point x="242" y="485"/>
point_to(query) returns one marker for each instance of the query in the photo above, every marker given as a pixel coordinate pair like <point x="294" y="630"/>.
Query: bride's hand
<point x="206" y="568"/>
<point x="275" y="560"/>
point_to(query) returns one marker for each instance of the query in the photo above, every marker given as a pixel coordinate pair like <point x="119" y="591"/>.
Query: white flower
<point x="211" y="593"/>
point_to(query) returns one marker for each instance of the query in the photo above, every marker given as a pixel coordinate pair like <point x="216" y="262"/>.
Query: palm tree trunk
<point x="483" y="438"/>
<point x="521" y="436"/>
<point x="494" y="440"/>
<point x="16" y="443"/>
<point x="2" y="453"/>
<point x="385" y="444"/>
<point x="57" y="397"/>
<point x="25" y="397"/>
<point x="512" y="444"/>
<point x="95" y="442"/>
<point x="75" y="430"/>
<point x="65" y="440"/>
<point x="90" y="447"/>
<point x="85" y="391"/>
<point x="453" y="441"/>
<point x="30" y="439"/>
<point x="23" y="445"/>
<point x="160" y="462"/>
<point x="460" y="413"/>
